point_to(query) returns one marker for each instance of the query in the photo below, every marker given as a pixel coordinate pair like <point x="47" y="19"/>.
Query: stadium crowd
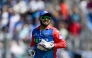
<point x="19" y="17"/>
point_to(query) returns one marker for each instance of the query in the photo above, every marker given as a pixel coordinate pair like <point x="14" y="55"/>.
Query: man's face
<point x="45" y="20"/>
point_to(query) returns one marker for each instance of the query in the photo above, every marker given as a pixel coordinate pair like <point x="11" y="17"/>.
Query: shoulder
<point x="35" y="29"/>
<point x="55" y="30"/>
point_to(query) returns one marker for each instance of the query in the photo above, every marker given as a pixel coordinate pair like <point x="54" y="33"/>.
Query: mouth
<point x="45" y="22"/>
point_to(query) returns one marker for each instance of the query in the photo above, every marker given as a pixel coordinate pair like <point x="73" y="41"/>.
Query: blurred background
<point x="73" y="18"/>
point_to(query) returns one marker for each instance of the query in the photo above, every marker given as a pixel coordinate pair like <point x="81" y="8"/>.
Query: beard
<point x="45" y="25"/>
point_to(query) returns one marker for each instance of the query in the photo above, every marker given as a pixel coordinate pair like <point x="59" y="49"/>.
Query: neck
<point x="42" y="27"/>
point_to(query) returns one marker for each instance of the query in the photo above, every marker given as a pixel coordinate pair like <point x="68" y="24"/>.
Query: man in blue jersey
<point x="45" y="39"/>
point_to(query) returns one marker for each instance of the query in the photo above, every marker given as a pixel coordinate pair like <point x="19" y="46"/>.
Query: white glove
<point x="44" y="45"/>
<point x="31" y="52"/>
<point x="40" y="45"/>
<point x="49" y="45"/>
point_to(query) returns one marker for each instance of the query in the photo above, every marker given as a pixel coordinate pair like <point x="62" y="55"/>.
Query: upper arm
<point x="57" y="36"/>
<point x="32" y="41"/>
<point x="59" y="41"/>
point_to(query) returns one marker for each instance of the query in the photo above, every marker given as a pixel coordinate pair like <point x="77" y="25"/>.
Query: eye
<point x="46" y="17"/>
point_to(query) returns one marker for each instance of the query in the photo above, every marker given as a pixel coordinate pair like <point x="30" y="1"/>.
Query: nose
<point x="46" y="19"/>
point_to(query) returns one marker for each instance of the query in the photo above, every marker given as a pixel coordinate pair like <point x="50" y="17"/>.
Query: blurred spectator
<point x="87" y="54"/>
<point x="74" y="35"/>
<point x="1" y="3"/>
<point x="8" y="3"/>
<point x="13" y="20"/>
<point x="37" y="23"/>
<point x="83" y="6"/>
<point x="1" y="49"/>
<point x="20" y="7"/>
<point x="35" y="5"/>
<point x="24" y="33"/>
<point x="89" y="18"/>
<point x="18" y="25"/>
<point x="90" y="15"/>
<point x="62" y="53"/>
<point x="4" y="17"/>
<point x="10" y="11"/>
<point x="62" y="28"/>
<point x="89" y="4"/>
<point x="19" y="51"/>
<point x="75" y="15"/>
<point x="64" y="10"/>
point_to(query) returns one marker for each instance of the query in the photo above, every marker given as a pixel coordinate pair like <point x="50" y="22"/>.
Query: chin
<point x="45" y="24"/>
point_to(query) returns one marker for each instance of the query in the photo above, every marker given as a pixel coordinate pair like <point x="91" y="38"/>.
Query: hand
<point x="44" y="45"/>
<point x="31" y="52"/>
<point x="49" y="45"/>
<point x="41" y="45"/>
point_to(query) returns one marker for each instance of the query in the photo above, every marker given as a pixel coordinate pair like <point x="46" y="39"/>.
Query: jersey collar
<point x="45" y="28"/>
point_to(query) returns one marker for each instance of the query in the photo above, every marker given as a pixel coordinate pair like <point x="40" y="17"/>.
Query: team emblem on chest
<point x="46" y="34"/>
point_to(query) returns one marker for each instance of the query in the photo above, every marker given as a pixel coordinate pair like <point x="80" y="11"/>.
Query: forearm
<point x="61" y="44"/>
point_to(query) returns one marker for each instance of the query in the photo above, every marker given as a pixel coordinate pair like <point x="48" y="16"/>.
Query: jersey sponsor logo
<point x="36" y="34"/>
<point x="46" y="34"/>
<point x="36" y="40"/>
